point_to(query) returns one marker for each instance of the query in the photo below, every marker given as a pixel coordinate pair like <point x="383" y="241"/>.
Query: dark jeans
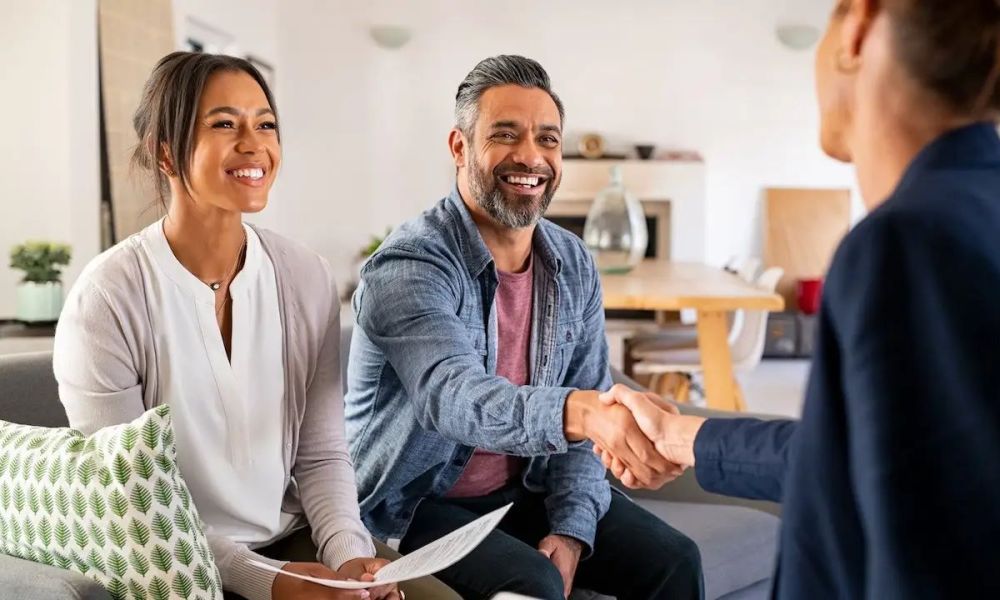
<point x="636" y="555"/>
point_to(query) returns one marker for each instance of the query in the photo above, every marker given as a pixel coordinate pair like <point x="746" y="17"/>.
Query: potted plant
<point x="39" y="295"/>
<point x="366" y="251"/>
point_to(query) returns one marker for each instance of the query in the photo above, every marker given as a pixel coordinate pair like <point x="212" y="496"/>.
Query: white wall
<point x="365" y="128"/>
<point x="49" y="159"/>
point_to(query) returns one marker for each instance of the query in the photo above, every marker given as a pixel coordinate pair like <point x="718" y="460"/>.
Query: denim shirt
<point x="422" y="386"/>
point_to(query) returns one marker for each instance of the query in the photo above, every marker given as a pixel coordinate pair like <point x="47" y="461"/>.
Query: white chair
<point x="746" y="343"/>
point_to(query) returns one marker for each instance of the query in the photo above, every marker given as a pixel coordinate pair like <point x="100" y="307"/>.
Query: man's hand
<point x="672" y="434"/>
<point x="364" y="569"/>
<point x="293" y="588"/>
<point x="564" y="552"/>
<point x="613" y="428"/>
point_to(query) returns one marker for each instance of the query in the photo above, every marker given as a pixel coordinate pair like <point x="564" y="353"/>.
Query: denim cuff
<point x="544" y="418"/>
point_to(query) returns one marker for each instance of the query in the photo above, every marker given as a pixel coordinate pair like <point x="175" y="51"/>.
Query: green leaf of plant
<point x="47" y="503"/>
<point x="150" y="434"/>
<point x="79" y="504"/>
<point x="142" y="500"/>
<point x="201" y="578"/>
<point x="45" y="531"/>
<point x="182" y="585"/>
<point x="86" y="470"/>
<point x="139" y="562"/>
<point x="26" y="466"/>
<point x="129" y="437"/>
<point x="33" y="504"/>
<point x="118" y="503"/>
<point x="117" y="589"/>
<point x="183" y="552"/>
<point x="62" y="502"/>
<point x="55" y="469"/>
<point x="104" y="476"/>
<point x="143" y="465"/>
<point x="121" y="469"/>
<point x="15" y="529"/>
<point x="96" y="561"/>
<point x="81" y="565"/>
<point x="158" y="589"/>
<point x="117" y="564"/>
<point x="162" y="527"/>
<point x="62" y="534"/>
<point x="19" y="498"/>
<point x="135" y="588"/>
<point x="28" y="533"/>
<point x="76" y="445"/>
<point x="138" y="532"/>
<point x="97" y="505"/>
<point x="164" y="464"/>
<point x="182" y="521"/>
<point x="45" y="557"/>
<point x="161" y="558"/>
<point x="40" y="466"/>
<point x="15" y="465"/>
<point x="97" y="535"/>
<point x="116" y="533"/>
<point x="79" y="535"/>
<point x="162" y="492"/>
<point x="63" y="561"/>
<point x="4" y="463"/>
<point x="4" y="494"/>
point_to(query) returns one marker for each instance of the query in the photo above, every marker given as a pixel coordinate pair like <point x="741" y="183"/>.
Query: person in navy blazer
<point x="890" y="483"/>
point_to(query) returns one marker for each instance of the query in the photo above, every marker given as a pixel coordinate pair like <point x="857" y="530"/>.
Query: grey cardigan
<point x="105" y="364"/>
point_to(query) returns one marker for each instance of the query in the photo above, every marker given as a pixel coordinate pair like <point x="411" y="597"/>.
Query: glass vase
<point x="615" y="231"/>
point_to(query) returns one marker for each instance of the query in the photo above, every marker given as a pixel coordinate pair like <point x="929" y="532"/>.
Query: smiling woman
<point x="193" y="312"/>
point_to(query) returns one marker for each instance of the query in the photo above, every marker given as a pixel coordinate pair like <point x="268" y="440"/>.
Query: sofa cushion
<point x="737" y="544"/>
<point x="111" y="506"/>
<point x="26" y="580"/>
<point x="28" y="391"/>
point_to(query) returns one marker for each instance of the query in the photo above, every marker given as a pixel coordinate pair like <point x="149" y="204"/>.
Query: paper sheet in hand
<point x="428" y="560"/>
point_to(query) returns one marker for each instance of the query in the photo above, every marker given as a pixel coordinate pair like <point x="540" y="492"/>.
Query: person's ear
<point x="854" y="30"/>
<point x="459" y="147"/>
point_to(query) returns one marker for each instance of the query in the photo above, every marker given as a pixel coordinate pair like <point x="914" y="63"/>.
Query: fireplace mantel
<point x="680" y="183"/>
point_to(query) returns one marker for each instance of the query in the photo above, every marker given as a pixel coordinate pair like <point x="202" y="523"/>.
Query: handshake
<point x="640" y="438"/>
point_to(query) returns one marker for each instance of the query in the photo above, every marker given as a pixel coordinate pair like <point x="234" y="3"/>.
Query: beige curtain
<point x="134" y="35"/>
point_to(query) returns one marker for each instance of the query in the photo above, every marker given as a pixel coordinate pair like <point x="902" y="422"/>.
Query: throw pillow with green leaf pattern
<point x="112" y="506"/>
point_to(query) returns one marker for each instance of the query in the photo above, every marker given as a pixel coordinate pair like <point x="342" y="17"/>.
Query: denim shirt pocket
<point x="568" y="336"/>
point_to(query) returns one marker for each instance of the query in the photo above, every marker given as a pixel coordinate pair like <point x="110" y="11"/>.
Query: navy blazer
<point x="890" y="483"/>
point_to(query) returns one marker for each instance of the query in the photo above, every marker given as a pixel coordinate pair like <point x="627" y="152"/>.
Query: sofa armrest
<point x="686" y="488"/>
<point x="28" y="580"/>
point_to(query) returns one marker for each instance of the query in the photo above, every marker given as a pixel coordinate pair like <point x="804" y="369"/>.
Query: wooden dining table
<point x="662" y="285"/>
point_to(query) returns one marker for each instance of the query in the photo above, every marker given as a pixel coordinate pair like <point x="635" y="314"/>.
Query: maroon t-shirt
<point x="486" y="471"/>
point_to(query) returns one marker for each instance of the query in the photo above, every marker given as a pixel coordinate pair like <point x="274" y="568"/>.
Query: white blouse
<point x="228" y="414"/>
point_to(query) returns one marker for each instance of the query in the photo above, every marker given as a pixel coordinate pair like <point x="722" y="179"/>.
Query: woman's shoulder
<point x="301" y="266"/>
<point x="116" y="271"/>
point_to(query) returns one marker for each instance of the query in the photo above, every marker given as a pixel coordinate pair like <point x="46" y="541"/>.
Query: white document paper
<point x="430" y="559"/>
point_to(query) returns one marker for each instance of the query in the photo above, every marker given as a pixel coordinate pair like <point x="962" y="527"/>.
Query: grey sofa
<point x="737" y="539"/>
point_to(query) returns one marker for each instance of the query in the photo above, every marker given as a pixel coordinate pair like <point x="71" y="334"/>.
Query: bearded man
<point x="476" y="364"/>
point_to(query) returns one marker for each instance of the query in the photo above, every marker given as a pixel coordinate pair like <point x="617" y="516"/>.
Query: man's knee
<point x="537" y="577"/>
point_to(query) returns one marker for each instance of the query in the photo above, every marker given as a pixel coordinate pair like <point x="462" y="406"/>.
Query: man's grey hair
<point x="494" y="72"/>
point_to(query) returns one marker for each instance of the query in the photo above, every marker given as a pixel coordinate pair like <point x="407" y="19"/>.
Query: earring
<point x="846" y="63"/>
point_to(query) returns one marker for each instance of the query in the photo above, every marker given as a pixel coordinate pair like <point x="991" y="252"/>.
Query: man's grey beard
<point x="512" y="214"/>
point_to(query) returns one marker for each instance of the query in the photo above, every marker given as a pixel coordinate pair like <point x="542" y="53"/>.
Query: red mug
<point x="809" y="292"/>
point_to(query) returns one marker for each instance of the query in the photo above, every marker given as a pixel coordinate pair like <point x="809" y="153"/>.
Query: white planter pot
<point x="39" y="302"/>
